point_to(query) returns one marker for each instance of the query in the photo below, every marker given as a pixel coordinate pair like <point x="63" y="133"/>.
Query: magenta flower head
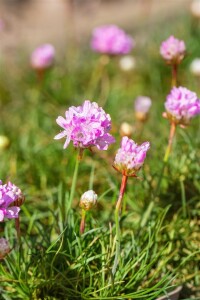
<point x="173" y="50"/>
<point x="110" y="39"/>
<point x="181" y="106"/>
<point x="43" y="57"/>
<point x="130" y="157"/>
<point x="86" y="126"/>
<point x="11" y="198"/>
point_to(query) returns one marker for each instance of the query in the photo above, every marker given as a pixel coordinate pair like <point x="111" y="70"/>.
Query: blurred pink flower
<point x="9" y="196"/>
<point x="110" y="39"/>
<point x="43" y="57"/>
<point x="142" y="104"/>
<point x="130" y="157"/>
<point x="173" y="50"/>
<point x="182" y="105"/>
<point x="86" y="126"/>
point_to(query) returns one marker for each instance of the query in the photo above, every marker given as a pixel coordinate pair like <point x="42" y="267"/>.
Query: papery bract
<point x="86" y="126"/>
<point x="182" y="105"/>
<point x="10" y="194"/>
<point x="130" y="157"/>
<point x="88" y="200"/>
<point x="173" y="50"/>
<point x="112" y="40"/>
<point x="43" y="57"/>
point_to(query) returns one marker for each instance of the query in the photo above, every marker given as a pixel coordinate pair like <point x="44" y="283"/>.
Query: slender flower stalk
<point x="170" y="141"/>
<point x="87" y="202"/>
<point x="174" y="75"/>
<point x="117" y="213"/>
<point x="128" y="161"/>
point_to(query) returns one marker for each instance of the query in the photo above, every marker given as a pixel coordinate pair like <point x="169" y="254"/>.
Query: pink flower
<point x="173" y="50"/>
<point x="110" y="39"/>
<point x="142" y="104"/>
<point x="10" y="194"/>
<point x="130" y="157"/>
<point x="182" y="105"/>
<point x="43" y="57"/>
<point x="86" y="126"/>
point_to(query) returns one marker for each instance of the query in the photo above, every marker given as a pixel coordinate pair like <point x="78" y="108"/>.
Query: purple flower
<point x="43" y="57"/>
<point x="182" y="105"/>
<point x="110" y="39"/>
<point x="10" y="194"/>
<point x="173" y="50"/>
<point x="130" y="157"/>
<point x="86" y="126"/>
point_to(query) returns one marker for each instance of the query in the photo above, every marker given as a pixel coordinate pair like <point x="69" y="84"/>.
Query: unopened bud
<point x="4" y="142"/>
<point x="126" y="129"/>
<point x="88" y="200"/>
<point x="4" y="248"/>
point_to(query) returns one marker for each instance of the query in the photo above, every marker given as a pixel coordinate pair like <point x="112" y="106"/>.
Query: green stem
<point x="165" y="160"/>
<point x="171" y="138"/>
<point x="183" y="198"/>
<point x="74" y="181"/>
<point x="174" y="75"/>
<point x="17" y="226"/>
<point x="117" y="212"/>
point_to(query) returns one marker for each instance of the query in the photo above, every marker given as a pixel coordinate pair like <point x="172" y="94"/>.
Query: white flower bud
<point x="127" y="63"/>
<point x="195" y="67"/>
<point x="126" y="129"/>
<point x="88" y="200"/>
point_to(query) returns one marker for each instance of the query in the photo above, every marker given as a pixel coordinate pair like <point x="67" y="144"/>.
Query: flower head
<point x="4" y="248"/>
<point x="43" y="57"/>
<point x="182" y="105"/>
<point x="130" y="157"/>
<point x="110" y="39"/>
<point x="173" y="50"/>
<point x="11" y="198"/>
<point x="142" y="105"/>
<point x="86" y="126"/>
<point x="88" y="200"/>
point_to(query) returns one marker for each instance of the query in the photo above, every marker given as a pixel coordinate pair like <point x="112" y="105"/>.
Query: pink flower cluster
<point x="86" y="126"/>
<point x="173" y="50"/>
<point x="110" y="39"/>
<point x="181" y="105"/>
<point x="9" y="193"/>
<point x="43" y="57"/>
<point x="130" y="157"/>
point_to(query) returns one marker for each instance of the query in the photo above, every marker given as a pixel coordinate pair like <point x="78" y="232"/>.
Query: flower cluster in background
<point x="173" y="50"/>
<point x="43" y="57"/>
<point x="112" y="40"/>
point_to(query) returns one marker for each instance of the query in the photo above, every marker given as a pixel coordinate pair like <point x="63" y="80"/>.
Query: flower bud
<point x="4" y="248"/>
<point x="127" y="63"/>
<point x="88" y="200"/>
<point x="195" y="8"/>
<point x="4" y="142"/>
<point x="126" y="129"/>
<point x="195" y="67"/>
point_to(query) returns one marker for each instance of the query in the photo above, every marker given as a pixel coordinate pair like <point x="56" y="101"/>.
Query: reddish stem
<point x="121" y="192"/>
